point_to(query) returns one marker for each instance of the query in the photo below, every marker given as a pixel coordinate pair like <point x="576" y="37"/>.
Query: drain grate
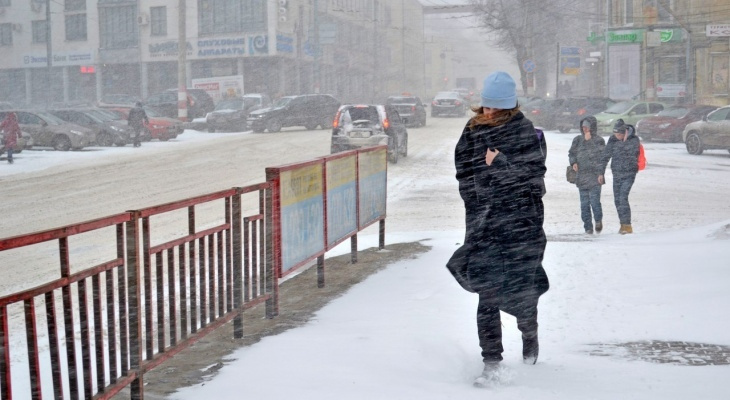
<point x="666" y="352"/>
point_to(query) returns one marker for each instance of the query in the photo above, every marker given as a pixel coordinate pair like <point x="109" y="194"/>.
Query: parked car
<point x="308" y="110"/>
<point x="160" y="128"/>
<point x="232" y="113"/>
<point x="106" y="131"/>
<point x="448" y="103"/>
<point x="365" y="125"/>
<point x="574" y="109"/>
<point x="47" y="130"/>
<point x="199" y="103"/>
<point x="712" y="133"/>
<point x="668" y="125"/>
<point x="467" y="94"/>
<point x="410" y="108"/>
<point x="542" y="113"/>
<point x="630" y="111"/>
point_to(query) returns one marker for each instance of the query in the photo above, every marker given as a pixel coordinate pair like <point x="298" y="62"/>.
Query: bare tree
<point x="529" y="30"/>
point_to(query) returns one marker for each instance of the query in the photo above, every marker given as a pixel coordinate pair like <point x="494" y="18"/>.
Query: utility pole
<point x="403" y="42"/>
<point x="375" y="51"/>
<point x="317" y="83"/>
<point x="49" y="54"/>
<point x="182" y="48"/>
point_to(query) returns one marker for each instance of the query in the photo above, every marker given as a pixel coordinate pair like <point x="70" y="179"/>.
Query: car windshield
<point x="282" y="102"/>
<point x="675" y="112"/>
<point x="231" y="104"/>
<point x="102" y="115"/>
<point x="50" y="118"/>
<point x="152" y="113"/>
<point x="402" y="100"/>
<point x="448" y="95"/>
<point x="619" y="108"/>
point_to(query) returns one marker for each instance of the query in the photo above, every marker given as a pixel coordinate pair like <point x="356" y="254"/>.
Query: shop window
<point x="118" y="26"/>
<point x="76" y="27"/>
<point x="39" y="29"/>
<point x="158" y="21"/>
<point x="230" y="16"/>
<point x="74" y="5"/>
<point x="672" y="70"/>
<point x="719" y="73"/>
<point x="6" y="34"/>
<point x="664" y="8"/>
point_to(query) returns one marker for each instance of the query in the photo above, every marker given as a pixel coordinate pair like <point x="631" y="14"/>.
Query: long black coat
<point x="505" y="241"/>
<point x="588" y="154"/>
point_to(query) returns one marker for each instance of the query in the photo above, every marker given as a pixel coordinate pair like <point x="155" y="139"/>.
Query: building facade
<point x="357" y="50"/>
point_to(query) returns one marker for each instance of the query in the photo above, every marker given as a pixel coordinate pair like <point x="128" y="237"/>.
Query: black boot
<point x="530" y="349"/>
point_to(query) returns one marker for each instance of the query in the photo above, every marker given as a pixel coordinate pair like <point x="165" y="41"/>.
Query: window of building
<point x="628" y="12"/>
<point x="74" y="5"/>
<point x="228" y="16"/>
<point x="664" y="14"/>
<point x="39" y="29"/>
<point x="118" y="25"/>
<point x="158" y="21"/>
<point x="6" y="34"/>
<point x="76" y="27"/>
<point x="720" y="74"/>
<point x="672" y="70"/>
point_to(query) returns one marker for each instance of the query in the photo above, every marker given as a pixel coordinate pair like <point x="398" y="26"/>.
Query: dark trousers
<point x="137" y="136"/>
<point x="621" y="188"/>
<point x="590" y="199"/>
<point x="10" y="154"/>
<point x="489" y="327"/>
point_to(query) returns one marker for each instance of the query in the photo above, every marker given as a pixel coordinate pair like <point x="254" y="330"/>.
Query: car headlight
<point x="75" y="132"/>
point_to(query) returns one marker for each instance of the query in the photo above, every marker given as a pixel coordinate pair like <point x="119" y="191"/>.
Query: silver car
<point x="47" y="130"/>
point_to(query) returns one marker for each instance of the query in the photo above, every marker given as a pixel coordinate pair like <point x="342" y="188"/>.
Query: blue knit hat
<point x="498" y="91"/>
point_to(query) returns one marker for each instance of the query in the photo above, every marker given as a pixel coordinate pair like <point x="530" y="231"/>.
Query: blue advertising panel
<point x="372" y="167"/>
<point x="341" y="198"/>
<point x="302" y="215"/>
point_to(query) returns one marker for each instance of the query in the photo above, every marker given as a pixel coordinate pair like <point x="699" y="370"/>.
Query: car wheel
<point x="694" y="144"/>
<point x="564" y="130"/>
<point x="273" y="126"/>
<point x="61" y="143"/>
<point x="404" y="153"/>
<point x="164" y="138"/>
<point x="393" y="152"/>
<point x="326" y="123"/>
<point x="104" y="139"/>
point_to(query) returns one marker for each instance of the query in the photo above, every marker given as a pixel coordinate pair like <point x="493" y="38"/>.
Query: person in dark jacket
<point x="586" y="158"/>
<point x="500" y="166"/>
<point x="137" y="119"/>
<point x="623" y="151"/>
<point x="11" y="134"/>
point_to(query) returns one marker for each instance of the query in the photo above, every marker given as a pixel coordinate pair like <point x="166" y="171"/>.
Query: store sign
<point x="167" y="49"/>
<point x="671" y="90"/>
<point x="623" y="37"/>
<point x="222" y="47"/>
<point x="60" y="59"/>
<point x="717" y="30"/>
<point x="284" y="44"/>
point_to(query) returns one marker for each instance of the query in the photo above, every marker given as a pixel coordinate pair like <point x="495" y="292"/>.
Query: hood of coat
<point x="592" y="121"/>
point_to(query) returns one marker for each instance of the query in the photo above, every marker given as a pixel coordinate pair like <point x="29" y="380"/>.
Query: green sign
<point x="624" y="37"/>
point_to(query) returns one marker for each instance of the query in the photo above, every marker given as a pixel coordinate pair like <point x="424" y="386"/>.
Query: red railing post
<point x="134" y="303"/>
<point x="237" y="265"/>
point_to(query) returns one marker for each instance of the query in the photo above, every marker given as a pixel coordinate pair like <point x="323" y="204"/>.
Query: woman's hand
<point x="575" y="167"/>
<point x="491" y="155"/>
<point x="601" y="180"/>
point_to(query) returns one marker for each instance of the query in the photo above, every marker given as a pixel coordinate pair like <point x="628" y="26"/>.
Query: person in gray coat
<point x="586" y="156"/>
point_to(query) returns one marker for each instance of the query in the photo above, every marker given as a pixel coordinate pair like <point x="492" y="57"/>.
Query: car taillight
<point x="435" y="103"/>
<point x="581" y="111"/>
<point x="536" y="112"/>
<point x="458" y="103"/>
<point x="386" y="123"/>
<point x="413" y="108"/>
<point x="336" y="122"/>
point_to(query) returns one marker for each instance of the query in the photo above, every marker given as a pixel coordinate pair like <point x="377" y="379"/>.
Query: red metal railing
<point x="146" y="304"/>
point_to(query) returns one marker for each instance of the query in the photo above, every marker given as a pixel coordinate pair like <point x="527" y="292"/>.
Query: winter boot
<point x="490" y="375"/>
<point x="589" y="231"/>
<point x="599" y="226"/>
<point x="625" y="228"/>
<point x="530" y="350"/>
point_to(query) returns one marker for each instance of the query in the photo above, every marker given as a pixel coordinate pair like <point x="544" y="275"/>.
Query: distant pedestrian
<point x="586" y="158"/>
<point x="137" y="119"/>
<point x="11" y="134"/>
<point x="500" y="166"/>
<point x="623" y="151"/>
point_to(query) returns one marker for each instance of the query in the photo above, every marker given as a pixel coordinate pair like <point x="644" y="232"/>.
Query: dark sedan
<point x="231" y="114"/>
<point x="448" y="103"/>
<point x="574" y="109"/>
<point x="410" y="108"/>
<point x="542" y="112"/>
<point x="668" y="125"/>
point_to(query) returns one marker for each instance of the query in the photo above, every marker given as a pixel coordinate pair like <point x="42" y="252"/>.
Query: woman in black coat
<point x="500" y="167"/>
<point x="623" y="151"/>
<point x="586" y="158"/>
